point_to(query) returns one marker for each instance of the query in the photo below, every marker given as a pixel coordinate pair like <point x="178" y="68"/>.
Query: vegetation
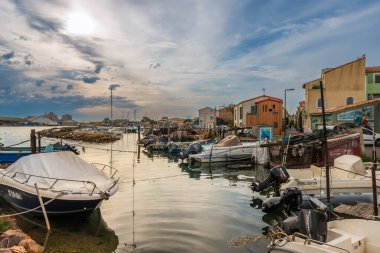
<point x="367" y="158"/>
<point x="4" y="225"/>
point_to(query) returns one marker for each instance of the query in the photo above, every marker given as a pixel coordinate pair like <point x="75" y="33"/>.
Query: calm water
<point x="176" y="208"/>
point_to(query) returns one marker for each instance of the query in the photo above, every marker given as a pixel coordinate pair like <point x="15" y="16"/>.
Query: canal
<point x="171" y="207"/>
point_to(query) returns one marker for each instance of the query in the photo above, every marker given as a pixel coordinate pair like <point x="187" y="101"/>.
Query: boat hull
<point x="241" y="152"/>
<point x="23" y="201"/>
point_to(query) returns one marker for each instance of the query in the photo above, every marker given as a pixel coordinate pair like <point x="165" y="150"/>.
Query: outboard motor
<point x="290" y="201"/>
<point x="193" y="148"/>
<point x="277" y="176"/>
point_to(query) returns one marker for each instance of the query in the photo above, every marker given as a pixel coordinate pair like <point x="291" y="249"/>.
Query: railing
<point x="28" y="176"/>
<point x="112" y="170"/>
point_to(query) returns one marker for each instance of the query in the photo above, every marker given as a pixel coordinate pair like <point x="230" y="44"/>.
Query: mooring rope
<point x="31" y="210"/>
<point x="92" y="147"/>
<point x="17" y="144"/>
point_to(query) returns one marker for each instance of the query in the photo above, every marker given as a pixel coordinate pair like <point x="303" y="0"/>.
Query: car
<point x="368" y="137"/>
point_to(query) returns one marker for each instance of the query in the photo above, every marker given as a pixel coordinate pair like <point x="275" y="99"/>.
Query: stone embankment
<point x="76" y="134"/>
<point x="13" y="240"/>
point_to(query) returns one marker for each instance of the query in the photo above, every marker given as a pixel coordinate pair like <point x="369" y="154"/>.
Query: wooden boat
<point x="307" y="152"/>
<point x="68" y="183"/>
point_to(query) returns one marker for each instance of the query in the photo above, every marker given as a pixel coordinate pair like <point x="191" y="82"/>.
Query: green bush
<point x="4" y="225"/>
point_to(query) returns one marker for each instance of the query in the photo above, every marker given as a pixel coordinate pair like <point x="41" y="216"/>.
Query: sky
<point x="172" y="57"/>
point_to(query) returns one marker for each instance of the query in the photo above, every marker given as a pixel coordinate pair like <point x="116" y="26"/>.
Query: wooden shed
<point x="266" y="111"/>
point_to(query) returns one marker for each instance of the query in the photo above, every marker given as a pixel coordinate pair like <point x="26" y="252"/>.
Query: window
<point x="275" y="124"/>
<point x="377" y="78"/>
<point x="319" y="103"/>
<point x="349" y="101"/>
<point x="254" y="109"/>
<point x="241" y="112"/>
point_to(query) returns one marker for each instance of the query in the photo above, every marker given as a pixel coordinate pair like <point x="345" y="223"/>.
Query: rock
<point x="12" y="237"/>
<point x="31" y="246"/>
<point x="6" y="251"/>
<point x="18" y="249"/>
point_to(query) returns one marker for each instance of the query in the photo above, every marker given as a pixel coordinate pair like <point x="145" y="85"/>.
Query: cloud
<point x="8" y="55"/>
<point x="39" y="82"/>
<point x="98" y="68"/>
<point x="214" y="52"/>
<point x="91" y="79"/>
<point x="154" y="65"/>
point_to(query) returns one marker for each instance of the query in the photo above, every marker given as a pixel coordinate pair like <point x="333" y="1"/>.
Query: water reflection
<point x="173" y="207"/>
<point x="71" y="235"/>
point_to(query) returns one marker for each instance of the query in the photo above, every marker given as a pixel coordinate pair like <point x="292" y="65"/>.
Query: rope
<point x="31" y="210"/>
<point x="17" y="144"/>
<point x="92" y="147"/>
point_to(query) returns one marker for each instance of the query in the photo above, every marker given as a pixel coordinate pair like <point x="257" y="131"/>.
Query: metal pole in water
<point x="325" y="145"/>
<point x="373" y="174"/>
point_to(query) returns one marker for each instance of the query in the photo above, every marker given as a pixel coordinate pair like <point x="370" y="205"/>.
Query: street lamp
<point x="111" y="88"/>
<point x="284" y="120"/>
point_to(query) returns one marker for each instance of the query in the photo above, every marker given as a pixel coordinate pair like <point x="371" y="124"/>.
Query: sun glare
<point x="79" y="23"/>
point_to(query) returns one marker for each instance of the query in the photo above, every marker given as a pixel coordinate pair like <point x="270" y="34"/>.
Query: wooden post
<point x="42" y="207"/>
<point x="39" y="142"/>
<point x="138" y="132"/>
<point x="33" y="141"/>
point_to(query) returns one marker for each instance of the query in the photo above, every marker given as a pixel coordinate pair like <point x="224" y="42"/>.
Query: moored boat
<point x="67" y="184"/>
<point x="231" y="149"/>
<point x="348" y="175"/>
<point x="12" y="154"/>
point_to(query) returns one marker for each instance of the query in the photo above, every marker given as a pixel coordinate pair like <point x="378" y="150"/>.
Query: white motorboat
<point x="231" y="149"/>
<point x="350" y="236"/>
<point x="67" y="183"/>
<point x="348" y="175"/>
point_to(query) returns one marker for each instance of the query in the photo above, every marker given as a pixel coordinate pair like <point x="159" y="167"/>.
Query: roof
<point x="206" y="108"/>
<point x="304" y="85"/>
<point x="372" y="69"/>
<point x="261" y="99"/>
<point x="348" y="63"/>
<point x="11" y="119"/>
<point x="339" y="108"/>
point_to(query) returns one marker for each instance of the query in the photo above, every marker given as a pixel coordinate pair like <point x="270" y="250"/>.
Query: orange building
<point x="262" y="110"/>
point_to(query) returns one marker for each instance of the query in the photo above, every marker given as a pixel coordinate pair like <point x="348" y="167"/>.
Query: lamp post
<point x="111" y="88"/>
<point x="284" y="120"/>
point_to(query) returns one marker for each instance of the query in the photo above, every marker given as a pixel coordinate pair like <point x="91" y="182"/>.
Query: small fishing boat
<point x="348" y="175"/>
<point x="67" y="184"/>
<point x="231" y="149"/>
<point x="12" y="154"/>
<point x="349" y="235"/>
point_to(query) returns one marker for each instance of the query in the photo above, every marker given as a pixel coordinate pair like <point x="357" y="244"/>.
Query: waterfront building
<point x="372" y="84"/>
<point x="343" y="85"/>
<point x="262" y="110"/>
<point x="207" y="117"/>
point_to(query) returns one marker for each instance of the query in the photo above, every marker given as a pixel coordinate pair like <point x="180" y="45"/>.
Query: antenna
<point x="263" y="89"/>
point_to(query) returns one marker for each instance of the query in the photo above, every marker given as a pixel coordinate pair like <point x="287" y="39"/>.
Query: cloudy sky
<point x="172" y="57"/>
